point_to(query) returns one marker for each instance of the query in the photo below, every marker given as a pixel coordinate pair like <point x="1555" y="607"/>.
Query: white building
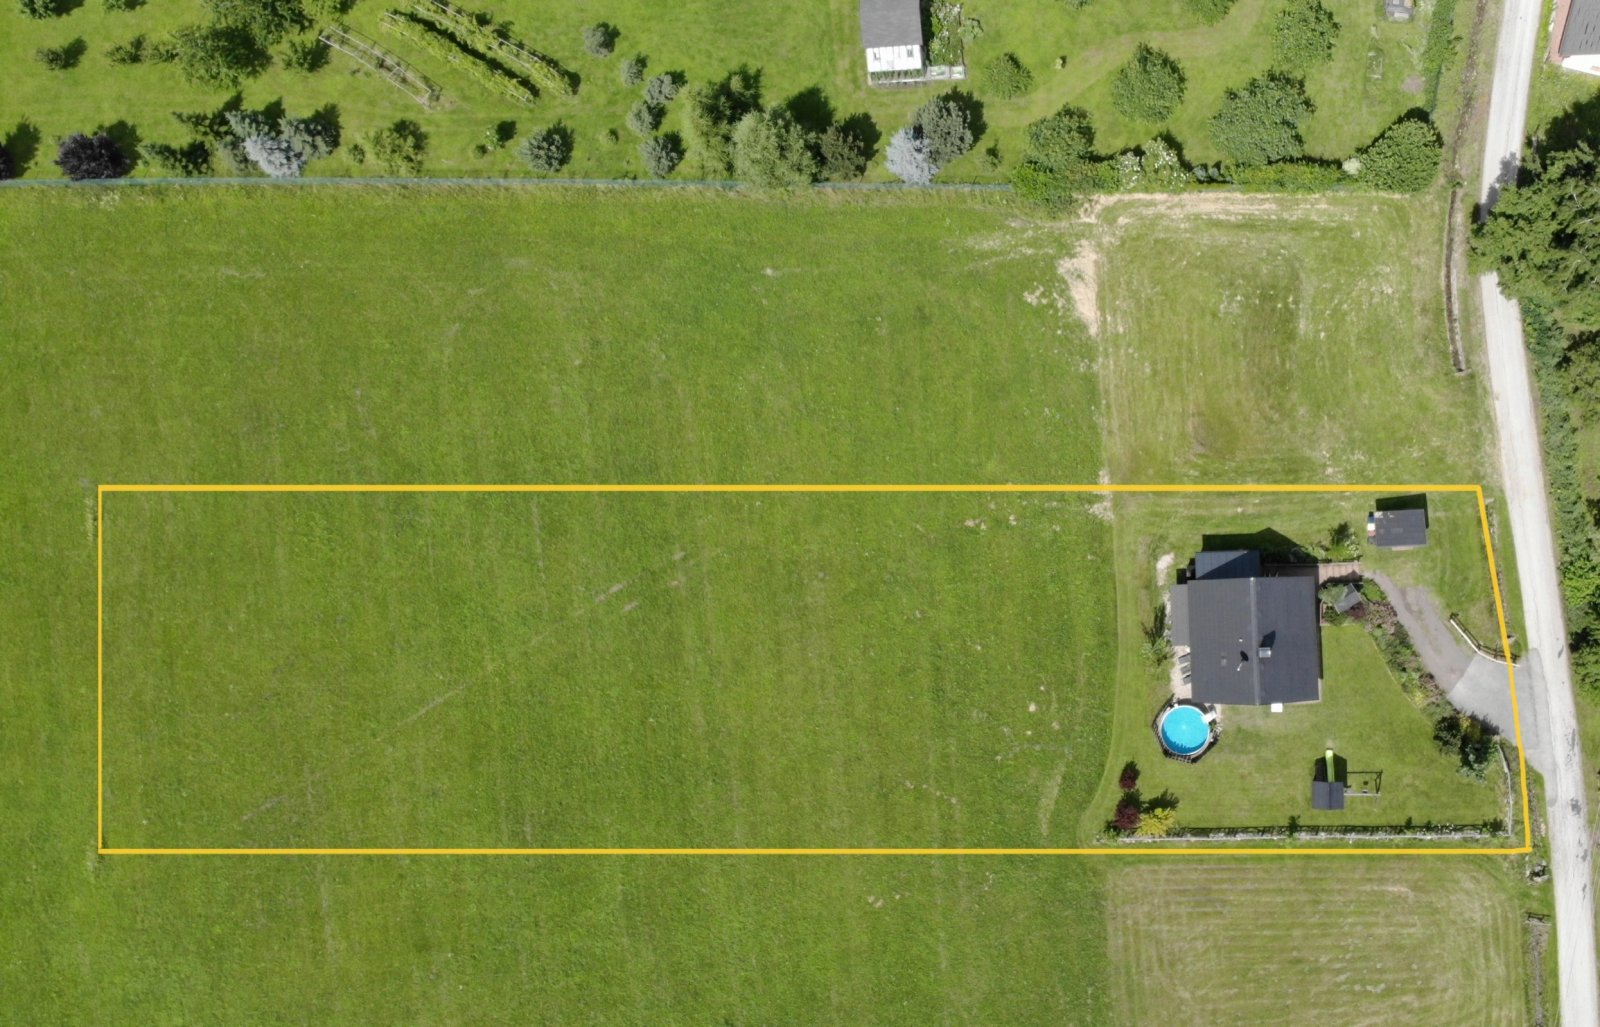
<point x="1575" y="36"/>
<point x="891" y="31"/>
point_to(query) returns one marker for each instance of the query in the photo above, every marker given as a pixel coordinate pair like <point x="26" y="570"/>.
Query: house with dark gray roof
<point x="1575" y="38"/>
<point x="1252" y="638"/>
<point x="891" y="32"/>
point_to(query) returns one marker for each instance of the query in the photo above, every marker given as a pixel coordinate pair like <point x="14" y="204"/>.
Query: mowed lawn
<point x="597" y="670"/>
<point x="1283" y="340"/>
<point x="801" y="51"/>
<point x="400" y="335"/>
<point x="1317" y="941"/>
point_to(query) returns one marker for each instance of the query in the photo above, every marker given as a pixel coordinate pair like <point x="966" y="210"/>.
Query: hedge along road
<point x="620" y="183"/>
<point x="1522" y="469"/>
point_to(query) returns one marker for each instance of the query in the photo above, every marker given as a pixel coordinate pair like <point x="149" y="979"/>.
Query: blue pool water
<point x="1184" y="730"/>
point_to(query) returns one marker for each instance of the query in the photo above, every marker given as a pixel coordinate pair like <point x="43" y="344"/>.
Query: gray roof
<point x="1394" y="528"/>
<point x="891" y="23"/>
<point x="1230" y="563"/>
<point x="1179" y="625"/>
<point x="1582" y="34"/>
<point x="1252" y="640"/>
<point x="1348" y="600"/>
<point x="1327" y="795"/>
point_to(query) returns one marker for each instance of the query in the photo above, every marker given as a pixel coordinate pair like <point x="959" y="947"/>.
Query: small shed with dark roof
<point x="1398" y="529"/>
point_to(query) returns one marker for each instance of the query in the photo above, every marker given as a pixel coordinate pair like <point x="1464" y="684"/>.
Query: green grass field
<point x="1304" y="942"/>
<point x="1373" y="77"/>
<point x="418" y="335"/>
<point x="602" y="670"/>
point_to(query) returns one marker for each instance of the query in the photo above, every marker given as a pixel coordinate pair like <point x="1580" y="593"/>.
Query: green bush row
<point x="446" y="47"/>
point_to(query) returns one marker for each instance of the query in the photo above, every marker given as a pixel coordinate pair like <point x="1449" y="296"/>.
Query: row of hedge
<point x="447" y="47"/>
<point x="468" y="31"/>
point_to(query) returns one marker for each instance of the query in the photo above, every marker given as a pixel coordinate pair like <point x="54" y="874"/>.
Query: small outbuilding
<point x="891" y="32"/>
<point x="1398" y="10"/>
<point x="1327" y="790"/>
<point x="1398" y="529"/>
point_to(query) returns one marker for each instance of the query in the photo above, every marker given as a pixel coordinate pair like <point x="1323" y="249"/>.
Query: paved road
<point x="1522" y="468"/>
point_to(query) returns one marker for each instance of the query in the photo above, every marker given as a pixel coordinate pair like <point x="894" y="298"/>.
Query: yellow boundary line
<point x="1151" y="851"/>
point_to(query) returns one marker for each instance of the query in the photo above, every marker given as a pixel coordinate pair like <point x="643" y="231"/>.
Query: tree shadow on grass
<point x="22" y="143"/>
<point x="811" y="110"/>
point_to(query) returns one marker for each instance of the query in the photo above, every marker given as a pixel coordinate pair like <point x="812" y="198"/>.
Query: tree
<point x="1306" y="32"/>
<point x="281" y="149"/>
<point x="1210" y="11"/>
<point x="59" y="58"/>
<point x="1404" y="159"/>
<point x="713" y="110"/>
<point x="1149" y="87"/>
<point x="113" y="6"/>
<point x="772" y="151"/>
<point x="660" y="155"/>
<point x="1128" y="814"/>
<point x="909" y="157"/>
<point x="599" y="40"/>
<point x="40" y="9"/>
<point x="946" y="124"/>
<point x="268" y="21"/>
<point x="1260" y="123"/>
<point x="841" y="155"/>
<point x="305" y="55"/>
<point x="661" y="89"/>
<point x="632" y="70"/>
<point x="1006" y="77"/>
<point x="1128" y="780"/>
<point x="84" y="157"/>
<point x="217" y="56"/>
<point x="643" y="118"/>
<point x="1058" y="165"/>
<point x="130" y="52"/>
<point x="547" y="151"/>
<point x="1543" y="237"/>
<point x="400" y="147"/>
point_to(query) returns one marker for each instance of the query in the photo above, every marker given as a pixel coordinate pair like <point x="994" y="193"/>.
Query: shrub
<point x="1157" y="823"/>
<point x="1293" y="176"/>
<point x="547" y="151"/>
<point x="305" y="55"/>
<point x="1210" y="11"/>
<point x="661" y="90"/>
<point x="1129" y="779"/>
<point x="643" y="118"/>
<point x="357" y="153"/>
<point x="130" y="52"/>
<point x="660" y="155"/>
<point x="59" y="58"/>
<point x="1062" y="140"/>
<point x="113" y="6"/>
<point x="7" y="168"/>
<point x="1149" y="87"/>
<point x="40" y="9"/>
<point x="841" y="155"/>
<point x="632" y="71"/>
<point x="1162" y="167"/>
<point x="1006" y="77"/>
<point x="1305" y="35"/>
<point x="187" y="161"/>
<point x="82" y="157"/>
<point x="268" y="21"/>
<point x="991" y="157"/>
<point x="400" y="147"/>
<point x="161" y="51"/>
<point x="1260" y="123"/>
<point x="217" y="56"/>
<point x="599" y="40"/>
<point x="909" y="157"/>
<point x="946" y="124"/>
<point x="1058" y="167"/>
<point x="1404" y="159"/>
<point x="1127" y="816"/>
<point x="771" y="151"/>
<point x="284" y="148"/>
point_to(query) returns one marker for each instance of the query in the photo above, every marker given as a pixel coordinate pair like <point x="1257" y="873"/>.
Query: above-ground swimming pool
<point x="1184" y="730"/>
